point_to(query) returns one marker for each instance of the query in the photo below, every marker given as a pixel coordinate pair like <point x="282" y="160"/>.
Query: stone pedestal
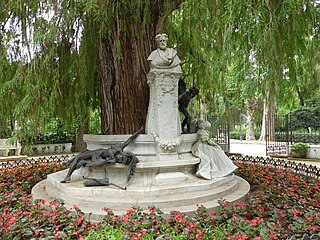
<point x="148" y="151"/>
<point x="167" y="184"/>
<point x="163" y="122"/>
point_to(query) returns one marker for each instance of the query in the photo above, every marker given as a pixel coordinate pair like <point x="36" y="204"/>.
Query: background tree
<point x="76" y="56"/>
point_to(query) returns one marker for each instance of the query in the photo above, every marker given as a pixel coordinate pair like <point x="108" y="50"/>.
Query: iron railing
<point x="32" y="160"/>
<point x="299" y="168"/>
<point x="282" y="131"/>
<point x="296" y="167"/>
<point x="220" y="132"/>
<point x="277" y="134"/>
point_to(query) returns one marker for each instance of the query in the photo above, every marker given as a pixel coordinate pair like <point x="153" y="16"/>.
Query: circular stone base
<point x="180" y="191"/>
<point x="162" y="179"/>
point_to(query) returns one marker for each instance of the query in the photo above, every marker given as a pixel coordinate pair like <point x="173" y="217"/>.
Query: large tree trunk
<point x="123" y="67"/>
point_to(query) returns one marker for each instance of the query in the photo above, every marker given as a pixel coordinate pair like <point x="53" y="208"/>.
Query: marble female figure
<point x="214" y="163"/>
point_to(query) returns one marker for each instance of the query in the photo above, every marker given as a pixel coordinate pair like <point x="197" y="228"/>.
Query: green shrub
<point x="236" y="135"/>
<point x="305" y="117"/>
<point x="48" y="138"/>
<point x="108" y="232"/>
<point x="299" y="149"/>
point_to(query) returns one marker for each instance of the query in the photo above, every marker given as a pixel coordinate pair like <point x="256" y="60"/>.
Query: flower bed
<point x="281" y="205"/>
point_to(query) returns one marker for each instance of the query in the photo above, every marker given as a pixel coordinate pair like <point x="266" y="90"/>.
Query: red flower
<point x="295" y="212"/>
<point x="143" y="232"/>
<point x="137" y="236"/>
<point x="235" y="218"/>
<point x="282" y="214"/>
<point x="224" y="204"/>
<point x="309" y="218"/>
<point x="152" y="210"/>
<point x="240" y="205"/>
<point x="107" y="210"/>
<point x="255" y="221"/>
<point x="80" y="220"/>
<point x="240" y="237"/>
<point x="56" y="235"/>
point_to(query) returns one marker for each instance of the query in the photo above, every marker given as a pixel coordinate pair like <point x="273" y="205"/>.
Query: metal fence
<point x="302" y="132"/>
<point x="277" y="134"/>
<point x="298" y="168"/>
<point x="287" y="131"/>
<point x="283" y="130"/>
<point x="220" y="132"/>
<point x="32" y="160"/>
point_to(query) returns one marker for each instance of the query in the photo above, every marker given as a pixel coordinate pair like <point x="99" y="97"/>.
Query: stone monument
<point x="163" y="120"/>
<point x="165" y="175"/>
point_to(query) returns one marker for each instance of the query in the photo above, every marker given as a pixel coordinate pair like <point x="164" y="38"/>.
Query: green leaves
<point x="232" y="50"/>
<point x="235" y="50"/>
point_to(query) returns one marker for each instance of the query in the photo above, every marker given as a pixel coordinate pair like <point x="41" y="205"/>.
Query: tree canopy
<point x="64" y="58"/>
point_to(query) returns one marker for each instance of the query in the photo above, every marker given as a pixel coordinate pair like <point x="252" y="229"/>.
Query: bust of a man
<point x="164" y="58"/>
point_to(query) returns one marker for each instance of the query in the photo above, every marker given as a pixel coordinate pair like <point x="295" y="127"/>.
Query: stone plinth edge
<point x="183" y="196"/>
<point x="142" y="145"/>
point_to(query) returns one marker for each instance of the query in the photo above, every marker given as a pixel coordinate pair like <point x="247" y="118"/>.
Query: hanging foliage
<point x="225" y="42"/>
<point x="65" y="58"/>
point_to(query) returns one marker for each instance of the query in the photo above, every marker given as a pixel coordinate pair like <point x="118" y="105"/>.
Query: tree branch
<point x="173" y="6"/>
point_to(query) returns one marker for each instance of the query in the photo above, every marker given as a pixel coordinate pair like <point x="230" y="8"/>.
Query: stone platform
<point x="164" y="180"/>
<point x="181" y="196"/>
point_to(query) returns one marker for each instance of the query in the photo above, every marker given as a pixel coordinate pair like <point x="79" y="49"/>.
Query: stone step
<point x="93" y="207"/>
<point x="96" y="213"/>
<point x="238" y="194"/>
<point x="13" y="158"/>
<point x="113" y="200"/>
<point x="183" y="161"/>
<point x="190" y="185"/>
